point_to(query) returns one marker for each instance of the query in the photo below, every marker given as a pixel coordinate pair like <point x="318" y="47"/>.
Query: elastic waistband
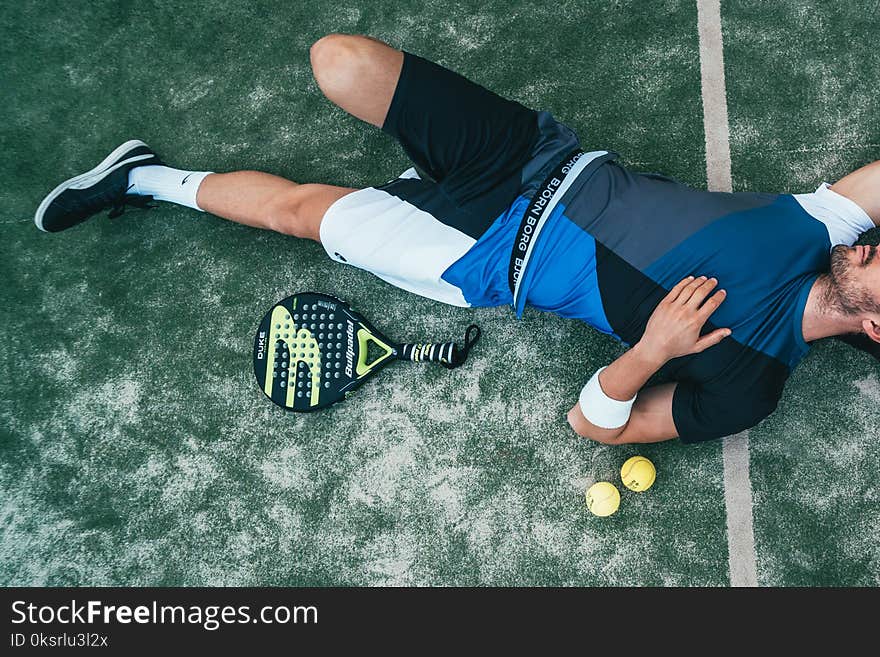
<point x="539" y="210"/>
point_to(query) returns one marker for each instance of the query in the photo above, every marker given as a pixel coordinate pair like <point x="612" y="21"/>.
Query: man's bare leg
<point x="266" y="201"/>
<point x="357" y="73"/>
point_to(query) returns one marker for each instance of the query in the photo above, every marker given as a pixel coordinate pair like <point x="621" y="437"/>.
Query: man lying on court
<point x="506" y="209"/>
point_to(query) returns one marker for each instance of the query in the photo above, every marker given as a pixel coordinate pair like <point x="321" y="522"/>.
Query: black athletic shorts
<point x="474" y="153"/>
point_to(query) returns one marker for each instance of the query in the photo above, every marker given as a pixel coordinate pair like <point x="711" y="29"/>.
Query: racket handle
<point x="447" y="354"/>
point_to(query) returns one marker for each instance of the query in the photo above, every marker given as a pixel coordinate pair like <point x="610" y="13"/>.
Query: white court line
<point x="735" y="450"/>
<point x="714" y="96"/>
<point x="738" y="501"/>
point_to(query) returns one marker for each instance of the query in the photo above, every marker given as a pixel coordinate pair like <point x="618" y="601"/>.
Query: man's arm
<point x="673" y="330"/>
<point x="650" y="422"/>
<point x="862" y="187"/>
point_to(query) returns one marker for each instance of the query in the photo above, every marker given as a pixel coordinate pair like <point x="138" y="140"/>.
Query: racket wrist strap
<point x="471" y="336"/>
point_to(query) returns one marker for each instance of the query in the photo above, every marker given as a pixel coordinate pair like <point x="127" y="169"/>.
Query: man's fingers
<point x="711" y="305"/>
<point x="702" y="292"/>
<point x="689" y="290"/>
<point x="676" y="290"/>
<point x="710" y="339"/>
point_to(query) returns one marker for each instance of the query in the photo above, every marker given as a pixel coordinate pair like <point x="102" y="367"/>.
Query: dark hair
<point x="871" y="237"/>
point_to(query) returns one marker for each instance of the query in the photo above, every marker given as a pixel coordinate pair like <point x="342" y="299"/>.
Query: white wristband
<point x="600" y="409"/>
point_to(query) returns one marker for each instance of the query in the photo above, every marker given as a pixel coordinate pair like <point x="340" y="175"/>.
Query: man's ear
<point x="871" y="329"/>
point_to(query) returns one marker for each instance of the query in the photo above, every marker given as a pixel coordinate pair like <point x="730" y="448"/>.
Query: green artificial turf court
<point x="135" y="447"/>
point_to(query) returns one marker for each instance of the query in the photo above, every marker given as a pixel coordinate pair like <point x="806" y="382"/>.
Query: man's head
<point x="853" y="288"/>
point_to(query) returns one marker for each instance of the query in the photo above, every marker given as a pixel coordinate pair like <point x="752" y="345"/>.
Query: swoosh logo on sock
<point x="184" y="178"/>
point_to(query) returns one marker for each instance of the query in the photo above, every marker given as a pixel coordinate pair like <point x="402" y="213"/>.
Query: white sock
<point x="167" y="184"/>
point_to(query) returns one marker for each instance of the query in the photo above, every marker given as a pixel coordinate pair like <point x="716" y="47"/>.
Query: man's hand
<point x="673" y="329"/>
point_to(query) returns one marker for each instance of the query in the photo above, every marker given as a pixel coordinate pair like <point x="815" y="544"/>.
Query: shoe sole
<point x="97" y="173"/>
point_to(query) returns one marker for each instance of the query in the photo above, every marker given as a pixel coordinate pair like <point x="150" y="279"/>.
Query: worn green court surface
<point x="135" y="447"/>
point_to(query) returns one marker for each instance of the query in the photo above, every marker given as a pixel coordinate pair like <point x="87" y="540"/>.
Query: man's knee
<point x="335" y="59"/>
<point x="285" y="214"/>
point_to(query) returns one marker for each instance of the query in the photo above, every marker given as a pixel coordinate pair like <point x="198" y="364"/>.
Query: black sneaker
<point x="105" y="186"/>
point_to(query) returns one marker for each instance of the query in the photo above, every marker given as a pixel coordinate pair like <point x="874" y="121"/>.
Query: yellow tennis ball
<point x="603" y="498"/>
<point x="638" y="474"/>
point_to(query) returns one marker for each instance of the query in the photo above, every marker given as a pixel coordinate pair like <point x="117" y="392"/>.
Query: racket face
<point x="312" y="349"/>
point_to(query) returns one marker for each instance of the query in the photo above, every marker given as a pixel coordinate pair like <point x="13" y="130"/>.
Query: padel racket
<point x="311" y="350"/>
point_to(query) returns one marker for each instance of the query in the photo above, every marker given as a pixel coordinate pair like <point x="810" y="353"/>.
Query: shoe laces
<point x="119" y="204"/>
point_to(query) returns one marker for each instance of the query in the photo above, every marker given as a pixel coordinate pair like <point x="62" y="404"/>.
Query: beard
<point x="844" y="294"/>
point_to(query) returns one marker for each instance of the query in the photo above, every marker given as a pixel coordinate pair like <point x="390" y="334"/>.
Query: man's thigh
<point x="406" y="232"/>
<point x="460" y="134"/>
<point x="471" y="141"/>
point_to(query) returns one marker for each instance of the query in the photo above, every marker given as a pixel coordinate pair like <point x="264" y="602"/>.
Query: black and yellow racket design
<point x="311" y="350"/>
